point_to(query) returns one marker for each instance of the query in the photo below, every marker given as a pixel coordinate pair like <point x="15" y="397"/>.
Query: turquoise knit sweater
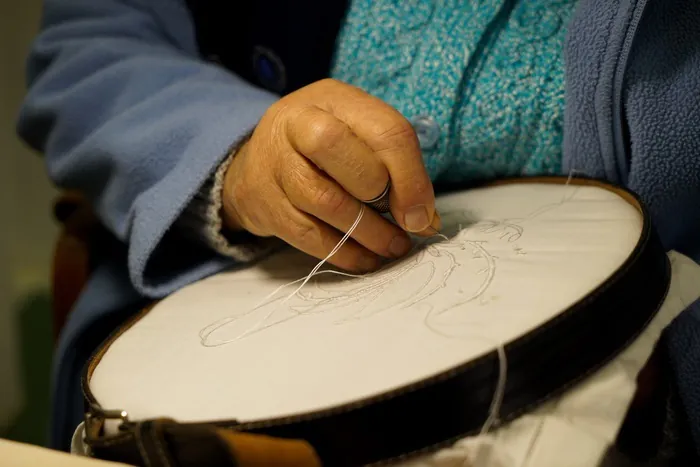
<point x="482" y="80"/>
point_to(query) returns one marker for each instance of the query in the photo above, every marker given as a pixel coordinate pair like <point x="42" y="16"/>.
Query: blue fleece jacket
<point x="125" y="110"/>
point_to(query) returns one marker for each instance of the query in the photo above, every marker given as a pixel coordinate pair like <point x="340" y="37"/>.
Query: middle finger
<point x="332" y="146"/>
<point x="312" y="192"/>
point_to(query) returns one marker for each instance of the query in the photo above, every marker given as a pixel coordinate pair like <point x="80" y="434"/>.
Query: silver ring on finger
<point x="381" y="202"/>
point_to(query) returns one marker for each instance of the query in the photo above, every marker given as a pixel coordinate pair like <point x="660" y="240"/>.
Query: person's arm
<point x="126" y="112"/>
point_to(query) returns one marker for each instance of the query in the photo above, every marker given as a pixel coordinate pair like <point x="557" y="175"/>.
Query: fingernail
<point x="399" y="246"/>
<point x="368" y="263"/>
<point x="416" y="218"/>
<point x="437" y="222"/>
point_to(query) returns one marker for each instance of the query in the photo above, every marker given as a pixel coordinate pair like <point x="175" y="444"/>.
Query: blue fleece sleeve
<point x="126" y="112"/>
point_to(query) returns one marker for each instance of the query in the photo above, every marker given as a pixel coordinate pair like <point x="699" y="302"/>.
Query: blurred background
<point x="27" y="233"/>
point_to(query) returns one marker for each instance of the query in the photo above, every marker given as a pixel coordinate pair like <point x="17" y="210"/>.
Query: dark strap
<point x="151" y="443"/>
<point x="165" y="443"/>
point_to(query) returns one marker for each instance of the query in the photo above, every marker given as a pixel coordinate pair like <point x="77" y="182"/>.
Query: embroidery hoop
<point x="419" y="415"/>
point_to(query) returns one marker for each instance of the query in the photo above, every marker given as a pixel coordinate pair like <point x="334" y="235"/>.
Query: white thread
<point x="494" y="409"/>
<point x="499" y="393"/>
<point x="306" y="279"/>
<point x="497" y="401"/>
<point x="211" y="328"/>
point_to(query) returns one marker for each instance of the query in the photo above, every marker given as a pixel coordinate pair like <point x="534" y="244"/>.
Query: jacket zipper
<point x="621" y="150"/>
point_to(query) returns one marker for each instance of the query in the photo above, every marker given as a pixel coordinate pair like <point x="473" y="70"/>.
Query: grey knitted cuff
<point x="202" y="221"/>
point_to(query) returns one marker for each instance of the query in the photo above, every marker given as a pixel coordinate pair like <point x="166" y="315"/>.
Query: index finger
<point x="393" y="140"/>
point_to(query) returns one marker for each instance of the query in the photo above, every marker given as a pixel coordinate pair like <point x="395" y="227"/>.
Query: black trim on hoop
<point x="451" y="405"/>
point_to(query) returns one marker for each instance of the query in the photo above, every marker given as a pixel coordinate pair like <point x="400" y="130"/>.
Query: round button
<point x="269" y="69"/>
<point x="427" y="130"/>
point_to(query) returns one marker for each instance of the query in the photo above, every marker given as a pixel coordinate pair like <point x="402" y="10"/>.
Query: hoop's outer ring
<point x="431" y="413"/>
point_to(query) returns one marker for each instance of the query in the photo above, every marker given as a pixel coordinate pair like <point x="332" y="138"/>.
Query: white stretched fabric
<point x="523" y="254"/>
<point x="517" y="255"/>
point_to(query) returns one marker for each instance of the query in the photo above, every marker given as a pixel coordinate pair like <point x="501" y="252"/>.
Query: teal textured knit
<point x="484" y="78"/>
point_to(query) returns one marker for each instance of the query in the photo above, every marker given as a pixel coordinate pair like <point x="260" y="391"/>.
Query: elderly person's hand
<point x="314" y="156"/>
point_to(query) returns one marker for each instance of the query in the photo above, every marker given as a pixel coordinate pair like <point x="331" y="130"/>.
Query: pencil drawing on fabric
<point x="445" y="282"/>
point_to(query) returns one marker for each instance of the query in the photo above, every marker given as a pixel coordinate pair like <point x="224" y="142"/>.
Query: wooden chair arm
<point x="72" y="266"/>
